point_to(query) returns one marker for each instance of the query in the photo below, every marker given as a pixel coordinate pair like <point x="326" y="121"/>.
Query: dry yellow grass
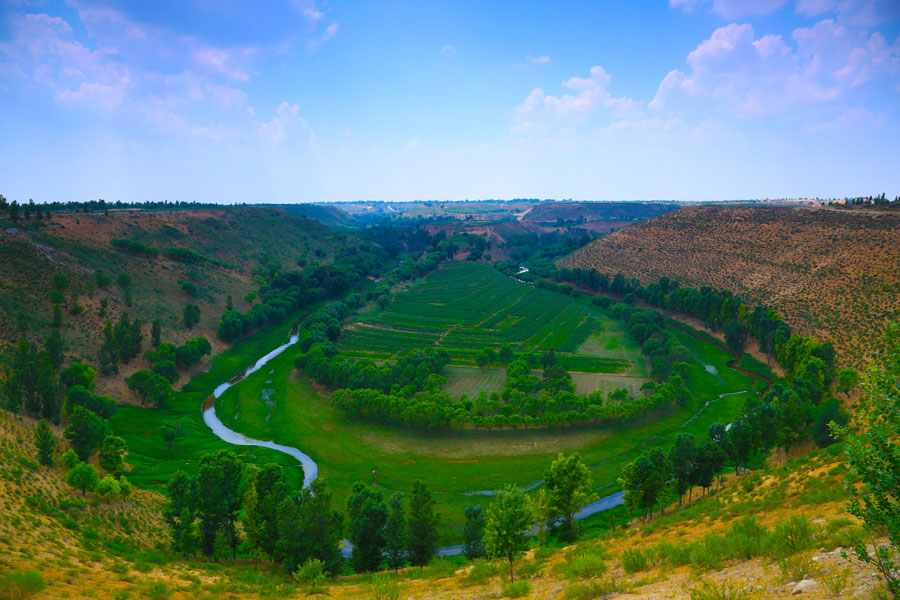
<point x="832" y="274"/>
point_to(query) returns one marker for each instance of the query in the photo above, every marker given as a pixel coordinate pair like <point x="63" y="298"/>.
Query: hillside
<point x="327" y="214"/>
<point x="226" y="246"/>
<point x="832" y="274"/>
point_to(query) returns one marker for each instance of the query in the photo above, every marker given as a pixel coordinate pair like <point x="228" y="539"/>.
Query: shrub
<point x="836" y="580"/>
<point x="585" y="565"/>
<point x="746" y="538"/>
<point x="634" y="560"/>
<point x="384" y="587"/>
<point x="69" y="459"/>
<point x="515" y="589"/>
<point x="592" y="590"/>
<point x="17" y="585"/>
<point x="792" y="536"/>
<point x="797" y="567"/>
<point x="156" y="590"/>
<point x="708" y="553"/>
<point x="482" y="570"/>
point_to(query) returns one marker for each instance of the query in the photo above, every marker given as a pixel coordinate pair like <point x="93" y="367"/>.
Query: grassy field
<point x="456" y="465"/>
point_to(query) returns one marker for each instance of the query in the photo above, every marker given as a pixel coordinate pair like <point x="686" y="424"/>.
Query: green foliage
<point x="481" y="572"/>
<point x="84" y="477"/>
<point x="21" y="584"/>
<point x="45" y="442"/>
<point x="156" y="589"/>
<point x="112" y="455"/>
<point x="134" y="247"/>
<point x="874" y="457"/>
<point x="508" y="519"/>
<point x="515" y="589"/>
<point x="108" y="488"/>
<point x="569" y="488"/>
<point x="69" y="459"/>
<point x="585" y="565"/>
<point x="313" y="577"/>
<point x="634" y="560"/>
<point x="422" y="526"/>
<point x="85" y="431"/>
<point x="384" y="587"/>
<point x="395" y="535"/>
<point x="473" y="532"/>
<point x="191" y="315"/>
<point x="368" y="515"/>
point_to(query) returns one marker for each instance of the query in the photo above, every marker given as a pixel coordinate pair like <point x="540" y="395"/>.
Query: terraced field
<point x="464" y="307"/>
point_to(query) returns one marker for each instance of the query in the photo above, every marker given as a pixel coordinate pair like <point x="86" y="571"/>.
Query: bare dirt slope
<point x="832" y="274"/>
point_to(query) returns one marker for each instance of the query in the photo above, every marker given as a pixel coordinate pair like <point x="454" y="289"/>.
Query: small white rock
<point x="805" y="586"/>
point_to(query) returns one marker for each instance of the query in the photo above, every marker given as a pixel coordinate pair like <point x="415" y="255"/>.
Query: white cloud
<point x="740" y="74"/>
<point x="448" y="49"/>
<point x="317" y="42"/>
<point x="411" y="145"/>
<point x="813" y="8"/>
<point x="539" y="60"/>
<point x="285" y="122"/>
<point x="592" y="95"/>
<point x="731" y="9"/>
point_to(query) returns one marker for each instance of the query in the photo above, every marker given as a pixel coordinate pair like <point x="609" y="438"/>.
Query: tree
<point x="219" y="500"/>
<point x="473" y="532"/>
<point x="395" y="533"/>
<point x="368" y="516"/>
<point x="229" y="303"/>
<point x="85" y="431"/>
<point x="683" y="457"/>
<point x="156" y="333"/>
<point x="505" y="354"/>
<point x="482" y="359"/>
<point x="826" y="413"/>
<point x="108" y="488"/>
<point x="508" y="519"/>
<point x="45" y="442"/>
<point x="569" y="487"/>
<point x="125" y="488"/>
<point x="308" y="527"/>
<point x="423" y="522"/>
<point x="57" y="319"/>
<point x="848" y="379"/>
<point x="191" y="315"/>
<point x="874" y="459"/>
<point x="69" y="459"/>
<point x="83" y="476"/>
<point x="179" y="513"/>
<point x="78" y="374"/>
<point x="55" y="348"/>
<point x="265" y="489"/>
<point x="112" y="455"/>
<point x="169" y="432"/>
<point x="312" y="575"/>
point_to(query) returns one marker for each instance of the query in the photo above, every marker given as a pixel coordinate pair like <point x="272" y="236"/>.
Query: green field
<point x="454" y="464"/>
<point x="465" y="307"/>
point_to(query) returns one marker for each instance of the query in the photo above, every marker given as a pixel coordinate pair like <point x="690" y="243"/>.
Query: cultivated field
<point x="464" y="307"/>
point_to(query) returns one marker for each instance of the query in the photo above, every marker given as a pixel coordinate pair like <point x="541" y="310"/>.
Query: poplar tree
<point x="423" y="522"/>
<point x="395" y="533"/>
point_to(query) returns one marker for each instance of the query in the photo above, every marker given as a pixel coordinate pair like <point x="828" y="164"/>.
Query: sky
<point x="312" y="101"/>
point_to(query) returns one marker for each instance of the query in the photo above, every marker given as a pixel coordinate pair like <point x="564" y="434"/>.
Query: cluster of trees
<point x="409" y="393"/>
<point x="155" y="385"/>
<point x="419" y="370"/>
<point x="122" y="342"/>
<point x="786" y="414"/>
<point x="16" y="211"/>
<point x="101" y="205"/>
<point x="283" y="294"/>
<point x="31" y="381"/>
<point x="292" y="527"/>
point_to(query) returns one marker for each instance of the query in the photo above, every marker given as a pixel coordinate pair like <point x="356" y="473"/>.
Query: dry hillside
<point x="234" y="242"/>
<point x="833" y="274"/>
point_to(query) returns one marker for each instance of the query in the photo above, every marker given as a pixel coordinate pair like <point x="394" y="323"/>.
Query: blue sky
<point x="303" y="101"/>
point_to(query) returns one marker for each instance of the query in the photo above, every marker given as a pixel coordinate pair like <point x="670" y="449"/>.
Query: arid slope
<point x="833" y="274"/>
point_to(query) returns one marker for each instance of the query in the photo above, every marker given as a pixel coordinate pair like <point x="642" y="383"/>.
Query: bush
<point x="515" y="589"/>
<point x="585" y="565"/>
<point x="592" y="590"/>
<point x="792" y="536"/>
<point x="482" y="570"/>
<point x="797" y="567"/>
<point x="156" y="590"/>
<point x="69" y="459"/>
<point x="746" y="538"/>
<point x="384" y="587"/>
<point x="634" y="560"/>
<point x="17" y="585"/>
<point x="707" y="554"/>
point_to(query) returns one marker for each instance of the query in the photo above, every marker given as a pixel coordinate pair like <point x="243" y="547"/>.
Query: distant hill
<point x="830" y="273"/>
<point x="326" y="214"/>
<point x="548" y="212"/>
<point x="220" y="249"/>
